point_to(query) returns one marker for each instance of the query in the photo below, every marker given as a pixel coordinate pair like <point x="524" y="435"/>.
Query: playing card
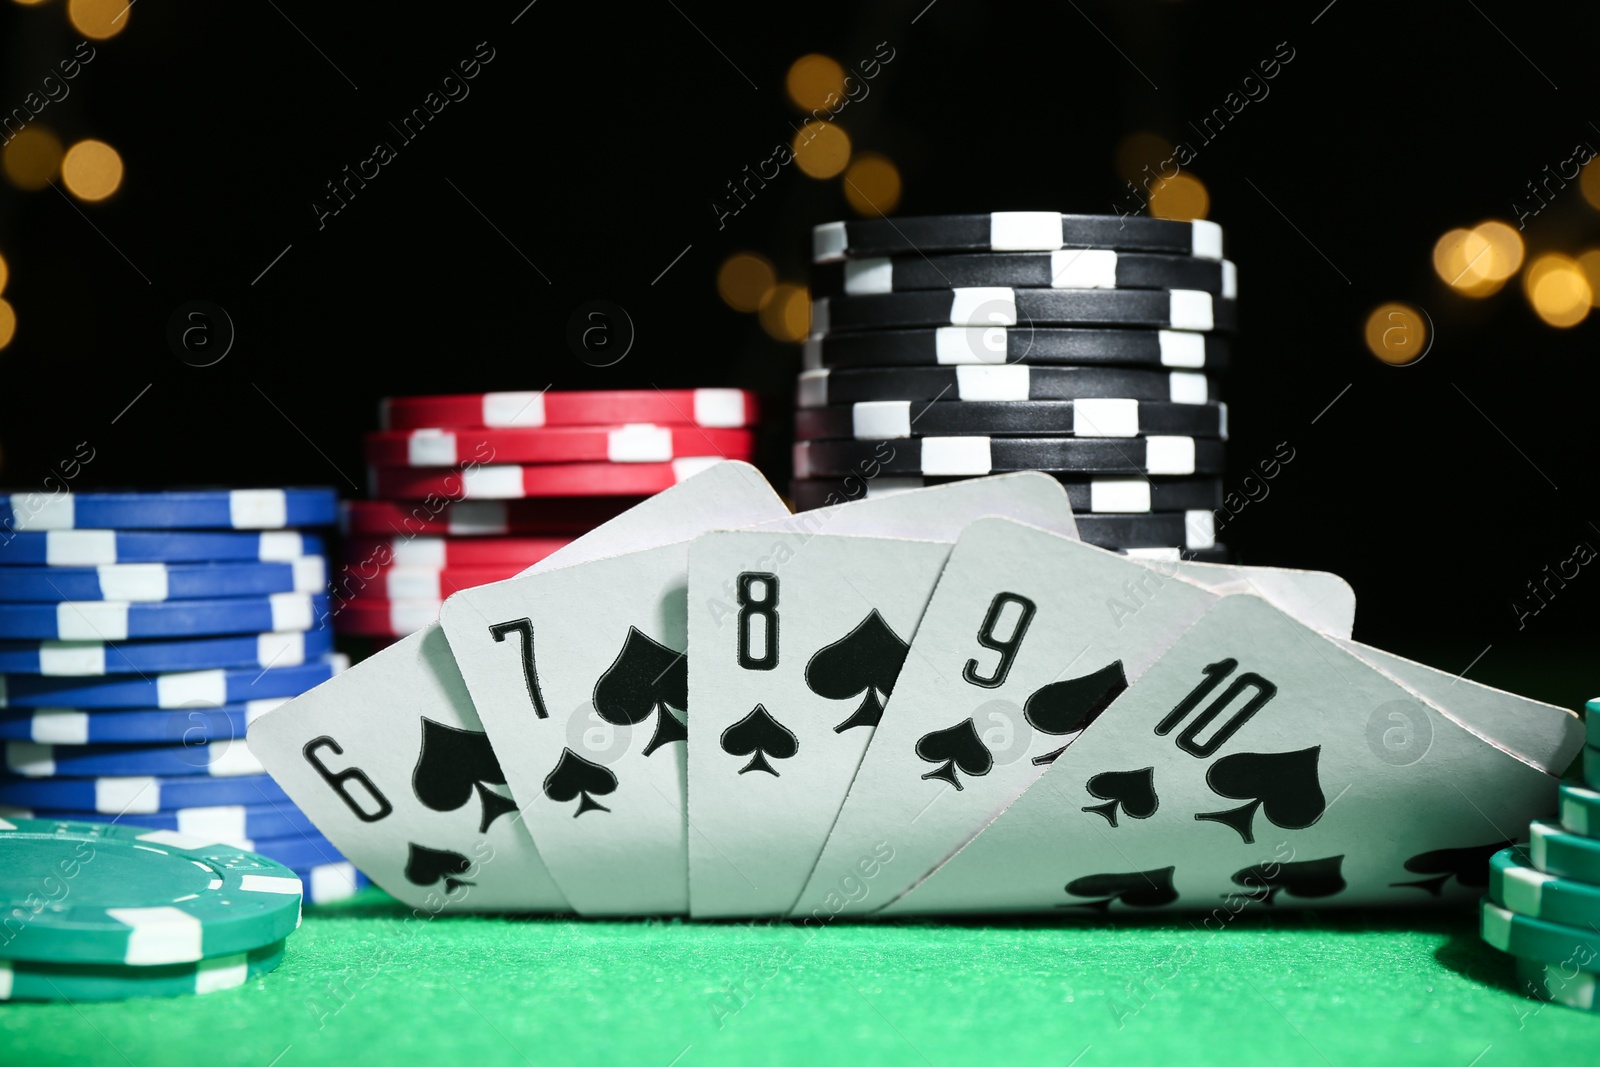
<point x="1241" y="769"/>
<point x="581" y="679"/>
<point x="797" y="638"/>
<point x="1323" y="601"/>
<point x="1027" y="638"/>
<point x="390" y="759"/>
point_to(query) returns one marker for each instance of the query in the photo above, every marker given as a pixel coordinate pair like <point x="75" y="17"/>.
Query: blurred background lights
<point x="1589" y="182"/>
<point x="1557" y="289"/>
<point x="99" y="19"/>
<point x="1182" y="197"/>
<point x="1397" y="334"/>
<point x="8" y="323"/>
<point x="812" y="79"/>
<point x="1478" y="261"/>
<point x="872" y="185"/>
<point x="91" y="170"/>
<point x="744" y="279"/>
<point x="31" y="158"/>
<point x="1589" y="263"/>
<point x="821" y="149"/>
<point x="786" y="312"/>
<point x="5" y="273"/>
<point x="1142" y="149"/>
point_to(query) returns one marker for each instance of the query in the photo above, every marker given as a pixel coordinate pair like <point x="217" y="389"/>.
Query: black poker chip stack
<point x="1085" y="346"/>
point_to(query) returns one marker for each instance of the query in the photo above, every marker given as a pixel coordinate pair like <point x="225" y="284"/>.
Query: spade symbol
<point x="866" y="660"/>
<point x="426" y="866"/>
<point x="1468" y="866"/>
<point x="452" y="764"/>
<point x="646" y="677"/>
<point x="1135" y="889"/>
<point x="1284" y="785"/>
<point x="575" y="778"/>
<point x="758" y="735"/>
<point x="957" y="746"/>
<point x="1070" y="705"/>
<point x="1307" y="879"/>
<point x="1134" y="791"/>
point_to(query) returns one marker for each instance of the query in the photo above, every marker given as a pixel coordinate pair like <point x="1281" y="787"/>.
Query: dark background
<point x="594" y="143"/>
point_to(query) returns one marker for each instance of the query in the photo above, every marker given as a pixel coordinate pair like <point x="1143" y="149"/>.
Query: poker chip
<point x="31" y="980"/>
<point x="184" y="689"/>
<point x="1591" y="766"/>
<point x="86" y="658"/>
<point x="95" y="548"/>
<point x="505" y="481"/>
<point x="300" y="852"/>
<point x="718" y="408"/>
<point x="820" y="388"/>
<point x="119" y="620"/>
<point x="1536" y="939"/>
<point x="387" y="618"/>
<point x="222" y="509"/>
<point x="1109" y="417"/>
<point x="637" y="443"/>
<point x="134" y="726"/>
<point x="221" y="759"/>
<point x="237" y="825"/>
<point x="1189" y="530"/>
<point x="143" y="582"/>
<point x="441" y="553"/>
<point x="1217" y="553"/>
<point x="1565" y="855"/>
<point x="1516" y="885"/>
<point x="1076" y="268"/>
<point x="326" y="883"/>
<point x="1000" y="345"/>
<point x="139" y="897"/>
<point x="974" y="456"/>
<point x="137" y="793"/>
<point x="1108" y="495"/>
<point x="434" y="583"/>
<point x="1559" y="983"/>
<point x="481" y="518"/>
<point x="1580" y="810"/>
<point x="1173" y="309"/>
<point x="1013" y="231"/>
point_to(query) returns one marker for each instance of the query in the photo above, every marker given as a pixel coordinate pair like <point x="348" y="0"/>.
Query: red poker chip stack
<point x="476" y="488"/>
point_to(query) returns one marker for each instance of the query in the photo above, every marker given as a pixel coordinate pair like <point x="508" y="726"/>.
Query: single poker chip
<point x="135" y="726"/>
<point x="1013" y="231"/>
<point x="145" y="582"/>
<point x="1068" y="268"/>
<point x="138" y="793"/>
<point x="1580" y="810"/>
<point x="719" y="408"/>
<point x="300" y="852"/>
<point x="219" y="759"/>
<point x="1172" y="309"/>
<point x="83" y="982"/>
<point x="563" y="516"/>
<point x="877" y="420"/>
<point x="972" y="456"/>
<point x="238" y="825"/>
<point x="119" y="620"/>
<point x="1190" y="530"/>
<point x="504" y="481"/>
<point x="184" y="689"/>
<point x="93" y="658"/>
<point x="1109" y="495"/>
<point x="441" y="553"/>
<point x="1536" y="939"/>
<point x="428" y="583"/>
<point x="820" y="388"/>
<point x="636" y="443"/>
<point x="200" y="509"/>
<point x="97" y="548"/>
<point x="386" y="618"/>
<point x="1515" y="884"/>
<point x="1566" y="855"/>
<point x="326" y="883"/>
<point x="139" y="897"/>
<point x="1559" y="983"/>
<point x="956" y="346"/>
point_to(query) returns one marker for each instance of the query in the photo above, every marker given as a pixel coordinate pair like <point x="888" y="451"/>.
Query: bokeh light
<point x="5" y="273"/>
<point x="1182" y="197"/>
<point x="744" y="279"/>
<point x="1589" y="182"/>
<point x="30" y="3"/>
<point x="91" y="170"/>
<point x="1142" y="149"/>
<point x="872" y="184"/>
<point x="1557" y="289"/>
<point x="8" y="323"/>
<point x="1397" y="334"/>
<point x="812" y="79"/>
<point x="786" y="312"/>
<point x="1477" y="262"/>
<point x="1589" y="263"/>
<point x="31" y="159"/>
<point x="99" y="19"/>
<point x="821" y="149"/>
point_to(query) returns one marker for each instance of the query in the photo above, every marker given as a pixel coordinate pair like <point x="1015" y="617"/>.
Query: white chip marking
<point x="1206" y="239"/>
<point x="5" y="976"/>
<point x="290" y="611"/>
<point x="828" y="242"/>
<point x="639" y="443"/>
<point x="80" y="548"/>
<point x="332" y="881"/>
<point x="1187" y="387"/>
<point x="413" y="583"/>
<point x="961" y="345"/>
<point x="956" y="455"/>
<point x="821" y="316"/>
<point x="1230" y="280"/>
<point x="1122" y="495"/>
<point x="986" y="305"/>
<point x="140" y="794"/>
<point x="68" y="659"/>
<point x="409" y="616"/>
<point x="867" y="276"/>
<point x="1025" y="231"/>
<point x="1180" y="349"/>
<point x="310" y="574"/>
<point x="513" y="409"/>
<point x="258" y="509"/>
<point x="59" y="726"/>
<point x="1495" y="926"/>
<point x="723" y="408"/>
<point x="499" y="481"/>
<point x="32" y="511"/>
<point x="254" y="709"/>
<point x="92" y="620"/>
<point x="687" y="467"/>
<point x="1222" y="419"/>
<point x="31" y="760"/>
<point x="1164" y="554"/>
<point x="195" y="689"/>
<point x="992" y="383"/>
<point x="133" y="581"/>
<point x="223" y="972"/>
<point x="1199" y="529"/>
<point x="431" y="448"/>
<point x="231" y="759"/>
<point x="876" y="420"/>
<point x="1083" y="268"/>
<point x="1523" y="889"/>
<point x="881" y="487"/>
<point x="811" y="391"/>
<point x="1169" y="455"/>
<point x="265" y="883"/>
<point x="1094" y="417"/>
<point x="276" y="546"/>
<point x="811" y="354"/>
<point x="419" y="552"/>
<point x="1190" y="309"/>
<point x="1575" y="817"/>
<point x="224" y="823"/>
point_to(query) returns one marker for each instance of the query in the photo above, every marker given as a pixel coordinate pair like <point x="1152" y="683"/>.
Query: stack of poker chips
<point x="477" y="488"/>
<point x="135" y="912"/>
<point x="140" y="634"/>
<point x="1543" y="905"/>
<point x="1080" y="345"/>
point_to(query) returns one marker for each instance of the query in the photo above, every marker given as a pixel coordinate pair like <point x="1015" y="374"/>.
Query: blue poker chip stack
<point x="140" y="634"/>
<point x="1086" y="346"/>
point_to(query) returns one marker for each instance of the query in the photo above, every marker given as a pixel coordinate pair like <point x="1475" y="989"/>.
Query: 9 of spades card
<point x="1239" y="772"/>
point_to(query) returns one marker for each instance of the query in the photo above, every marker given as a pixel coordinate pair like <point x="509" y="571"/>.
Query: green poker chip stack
<point x="99" y="912"/>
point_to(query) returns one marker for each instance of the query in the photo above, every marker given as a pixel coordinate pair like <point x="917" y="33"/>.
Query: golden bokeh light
<point x="1181" y="197"/>
<point x="30" y="3"/>
<point x="32" y="157"/>
<point x="786" y="312"/>
<point x="1139" y="150"/>
<point x="744" y="279"/>
<point x="1589" y="263"/>
<point x="91" y="170"/>
<point x="821" y="149"/>
<point x="872" y="185"/>
<point x="99" y="19"/>
<point x="1589" y="182"/>
<point x="812" y="80"/>
<point x="1557" y="289"/>
<point x="5" y="273"/>
<point x="8" y="323"/>
<point x="1478" y="261"/>
<point x="1397" y="334"/>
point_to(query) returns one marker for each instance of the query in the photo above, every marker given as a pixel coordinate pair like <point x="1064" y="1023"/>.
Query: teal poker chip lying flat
<point x="138" y="897"/>
<point x="1535" y="939"/>
<point x="30" y="980"/>
<point x="1580" y="809"/>
<point x="1558" y="984"/>
<point x="183" y="689"/>
<point x="1515" y="884"/>
<point x="1555" y="851"/>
